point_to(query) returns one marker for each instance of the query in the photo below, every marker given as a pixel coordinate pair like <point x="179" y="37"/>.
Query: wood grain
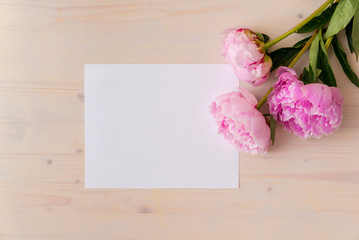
<point x="299" y="190"/>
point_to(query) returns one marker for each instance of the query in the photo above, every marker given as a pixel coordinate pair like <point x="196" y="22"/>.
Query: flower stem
<point x="264" y="98"/>
<point x="301" y="24"/>
<point x="294" y="61"/>
<point x="328" y="42"/>
<point x="302" y="51"/>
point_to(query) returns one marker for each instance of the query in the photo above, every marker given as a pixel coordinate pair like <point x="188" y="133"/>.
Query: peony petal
<point x="260" y="130"/>
<point x="337" y="95"/>
<point x="318" y="94"/>
<point x="249" y="96"/>
<point x="241" y="124"/>
<point x="283" y="69"/>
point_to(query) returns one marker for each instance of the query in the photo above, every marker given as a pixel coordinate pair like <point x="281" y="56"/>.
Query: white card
<point x="149" y="126"/>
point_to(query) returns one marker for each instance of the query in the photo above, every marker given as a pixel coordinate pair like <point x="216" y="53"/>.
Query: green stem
<point x="302" y="51"/>
<point x="264" y="98"/>
<point x="294" y="61"/>
<point x="328" y="42"/>
<point x="301" y="24"/>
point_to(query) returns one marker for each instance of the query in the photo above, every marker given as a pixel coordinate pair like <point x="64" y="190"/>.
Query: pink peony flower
<point x="244" y="52"/>
<point x="241" y="124"/>
<point x="311" y="110"/>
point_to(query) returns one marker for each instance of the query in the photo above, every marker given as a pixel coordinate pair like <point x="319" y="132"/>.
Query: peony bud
<point x="245" y="52"/>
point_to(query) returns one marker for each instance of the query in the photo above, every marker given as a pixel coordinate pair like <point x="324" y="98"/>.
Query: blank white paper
<point x="149" y="126"/>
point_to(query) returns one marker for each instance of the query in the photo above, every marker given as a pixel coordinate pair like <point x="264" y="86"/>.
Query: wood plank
<point x="299" y="190"/>
<point x="41" y="121"/>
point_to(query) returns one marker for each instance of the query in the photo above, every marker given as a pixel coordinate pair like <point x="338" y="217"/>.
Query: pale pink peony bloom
<point x="311" y="110"/>
<point x="241" y="124"/>
<point x="244" y="51"/>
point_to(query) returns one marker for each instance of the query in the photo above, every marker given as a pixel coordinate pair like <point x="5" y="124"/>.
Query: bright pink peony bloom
<point x="244" y="52"/>
<point x="311" y="110"/>
<point x="242" y="125"/>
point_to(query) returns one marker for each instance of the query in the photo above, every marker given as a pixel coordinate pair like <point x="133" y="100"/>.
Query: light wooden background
<point x="300" y="190"/>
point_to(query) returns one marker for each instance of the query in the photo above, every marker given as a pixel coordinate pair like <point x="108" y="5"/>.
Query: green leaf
<point x="263" y="37"/>
<point x="272" y="126"/>
<point x="348" y="32"/>
<point x="342" y="57"/>
<point x="266" y="37"/>
<point x="313" y="56"/>
<point x="355" y="33"/>
<point x="312" y="74"/>
<point x="283" y="56"/>
<point x="341" y="17"/>
<point x="319" y="21"/>
<point x="260" y="36"/>
<point x="301" y="43"/>
<point x="305" y="76"/>
<point x="319" y="71"/>
<point x="327" y="75"/>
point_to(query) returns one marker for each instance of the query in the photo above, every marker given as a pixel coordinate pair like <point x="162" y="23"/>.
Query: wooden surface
<point x="300" y="190"/>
